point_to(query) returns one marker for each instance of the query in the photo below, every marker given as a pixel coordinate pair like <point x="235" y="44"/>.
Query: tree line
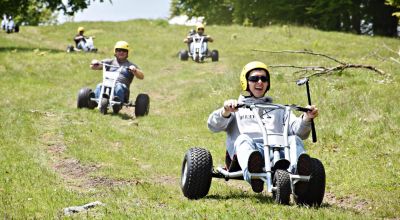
<point x="358" y="16"/>
<point x="35" y="12"/>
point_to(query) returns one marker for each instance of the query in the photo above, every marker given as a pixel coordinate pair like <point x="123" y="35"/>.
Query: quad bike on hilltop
<point x="88" y="47"/>
<point x="198" y="50"/>
<point x="198" y="171"/>
<point x="107" y="99"/>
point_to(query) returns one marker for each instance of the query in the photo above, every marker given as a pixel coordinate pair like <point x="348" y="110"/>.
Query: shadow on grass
<point x="324" y="206"/>
<point x="327" y="205"/>
<point x="29" y="49"/>
<point x="265" y="199"/>
<point x="125" y="116"/>
<point x="240" y="196"/>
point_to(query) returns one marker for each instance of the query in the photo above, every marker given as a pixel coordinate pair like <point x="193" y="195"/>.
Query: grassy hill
<point x="53" y="155"/>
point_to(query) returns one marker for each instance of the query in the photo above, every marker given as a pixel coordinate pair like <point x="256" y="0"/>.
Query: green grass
<point x="53" y="155"/>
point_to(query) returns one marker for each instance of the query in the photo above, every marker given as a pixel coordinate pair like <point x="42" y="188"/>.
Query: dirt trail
<point x="75" y="174"/>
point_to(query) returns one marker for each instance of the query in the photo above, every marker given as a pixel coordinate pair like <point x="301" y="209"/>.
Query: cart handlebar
<point x="271" y="106"/>
<point x="109" y="65"/>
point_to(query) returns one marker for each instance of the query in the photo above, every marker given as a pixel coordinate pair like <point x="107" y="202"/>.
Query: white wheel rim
<point x="183" y="181"/>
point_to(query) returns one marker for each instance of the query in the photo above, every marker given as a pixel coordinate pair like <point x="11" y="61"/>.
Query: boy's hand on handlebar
<point x="95" y="64"/>
<point x="229" y="106"/>
<point x="311" y="114"/>
<point x="132" y="69"/>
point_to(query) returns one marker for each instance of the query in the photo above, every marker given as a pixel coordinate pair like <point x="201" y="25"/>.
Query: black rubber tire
<point x="70" y="48"/>
<point x="183" y="55"/>
<point x="283" y="190"/>
<point x="84" y="96"/>
<point x="214" y="55"/>
<point x="196" y="173"/>
<point x="316" y="188"/>
<point x="116" y="108"/>
<point x="92" y="104"/>
<point x="142" y="105"/>
<point x="104" y="106"/>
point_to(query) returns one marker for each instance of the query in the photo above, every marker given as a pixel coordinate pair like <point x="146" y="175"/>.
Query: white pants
<point x="244" y="146"/>
<point x="84" y="46"/>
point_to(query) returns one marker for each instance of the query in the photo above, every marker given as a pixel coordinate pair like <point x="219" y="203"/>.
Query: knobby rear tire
<point x="316" y="187"/>
<point x="214" y="56"/>
<point x="84" y="101"/>
<point x="142" y="105"/>
<point x="183" y="55"/>
<point x="196" y="173"/>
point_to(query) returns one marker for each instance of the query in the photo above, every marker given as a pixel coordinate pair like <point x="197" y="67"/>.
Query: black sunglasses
<point x="257" y="78"/>
<point x="121" y="50"/>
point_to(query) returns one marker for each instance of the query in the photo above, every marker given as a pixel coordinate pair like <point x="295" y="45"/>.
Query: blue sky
<point x="121" y="10"/>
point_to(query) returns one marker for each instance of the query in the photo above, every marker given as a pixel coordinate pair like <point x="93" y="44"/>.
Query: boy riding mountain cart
<point x="263" y="146"/>
<point x="82" y="42"/>
<point x="121" y="52"/>
<point x="244" y="142"/>
<point x="197" y="42"/>
<point x="8" y="25"/>
<point x="116" y="91"/>
<point x="200" y="32"/>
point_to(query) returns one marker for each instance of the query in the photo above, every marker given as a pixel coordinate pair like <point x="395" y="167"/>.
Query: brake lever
<point x="299" y="108"/>
<point x="240" y="105"/>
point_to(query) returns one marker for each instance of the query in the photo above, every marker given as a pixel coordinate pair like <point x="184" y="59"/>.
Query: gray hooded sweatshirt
<point x="244" y="122"/>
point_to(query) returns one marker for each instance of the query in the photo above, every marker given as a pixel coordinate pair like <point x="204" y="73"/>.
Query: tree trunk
<point x="384" y="23"/>
<point x="356" y="17"/>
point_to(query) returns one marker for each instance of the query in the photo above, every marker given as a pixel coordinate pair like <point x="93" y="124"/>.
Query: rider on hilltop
<point x="199" y="32"/>
<point x="81" y="41"/>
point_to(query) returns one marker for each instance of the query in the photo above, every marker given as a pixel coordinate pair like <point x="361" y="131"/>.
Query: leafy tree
<point x="381" y="17"/>
<point x="214" y="11"/>
<point x="337" y="15"/>
<point x="395" y="3"/>
<point x="34" y="12"/>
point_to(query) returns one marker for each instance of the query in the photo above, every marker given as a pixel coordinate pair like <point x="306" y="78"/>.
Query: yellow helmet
<point x="80" y="29"/>
<point x="121" y="45"/>
<point x="198" y="26"/>
<point x="249" y="67"/>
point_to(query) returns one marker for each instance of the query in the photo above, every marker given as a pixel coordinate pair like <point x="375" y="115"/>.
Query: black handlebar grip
<point x="313" y="132"/>
<point x="302" y="109"/>
<point x="239" y="105"/>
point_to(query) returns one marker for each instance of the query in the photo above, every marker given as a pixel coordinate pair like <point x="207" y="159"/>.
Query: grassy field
<point x="53" y="155"/>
